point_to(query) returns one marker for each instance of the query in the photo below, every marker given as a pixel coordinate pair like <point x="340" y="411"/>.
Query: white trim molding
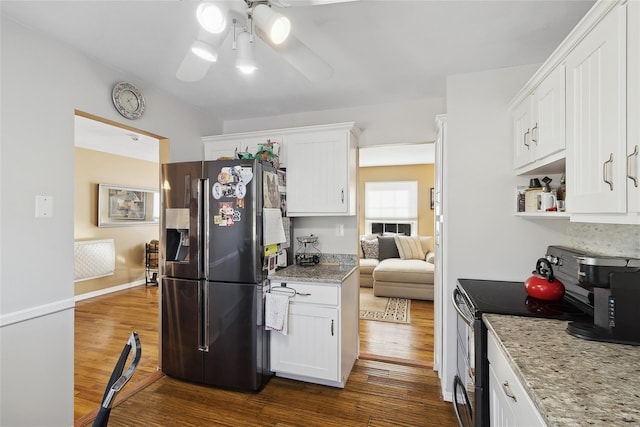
<point x="35" y="312"/>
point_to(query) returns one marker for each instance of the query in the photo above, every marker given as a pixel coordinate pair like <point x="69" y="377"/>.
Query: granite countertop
<point x="572" y="382"/>
<point x="319" y="273"/>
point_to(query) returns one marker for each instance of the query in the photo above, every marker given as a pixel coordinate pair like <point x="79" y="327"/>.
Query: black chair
<point x="118" y="380"/>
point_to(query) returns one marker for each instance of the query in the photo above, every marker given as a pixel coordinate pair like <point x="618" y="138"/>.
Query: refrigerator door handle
<point x="203" y="321"/>
<point x="204" y="199"/>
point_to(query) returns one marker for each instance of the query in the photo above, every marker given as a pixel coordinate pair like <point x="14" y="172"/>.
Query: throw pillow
<point x="387" y="248"/>
<point x="409" y="247"/>
<point x="370" y="248"/>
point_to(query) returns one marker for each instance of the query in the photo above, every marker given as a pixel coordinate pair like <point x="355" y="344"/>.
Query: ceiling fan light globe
<point x="204" y="51"/>
<point x="212" y="18"/>
<point x="280" y="30"/>
<point x="244" y="59"/>
<point x="274" y="24"/>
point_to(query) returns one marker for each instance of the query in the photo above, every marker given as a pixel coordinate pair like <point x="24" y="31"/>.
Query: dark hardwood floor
<point x="378" y="393"/>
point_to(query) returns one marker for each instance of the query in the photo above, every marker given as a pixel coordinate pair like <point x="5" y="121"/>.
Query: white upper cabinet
<point x="593" y="76"/>
<point x="539" y="123"/>
<point x="228" y="145"/>
<point x="633" y="107"/>
<point x="596" y="118"/>
<point x="320" y="162"/>
<point x="547" y="133"/>
<point x="322" y="171"/>
<point x="522" y="153"/>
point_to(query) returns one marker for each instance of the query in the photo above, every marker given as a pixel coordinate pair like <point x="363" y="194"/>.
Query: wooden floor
<point x="378" y="393"/>
<point x="405" y="343"/>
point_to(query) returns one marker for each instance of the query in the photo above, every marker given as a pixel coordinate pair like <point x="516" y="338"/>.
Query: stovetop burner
<point x="510" y="298"/>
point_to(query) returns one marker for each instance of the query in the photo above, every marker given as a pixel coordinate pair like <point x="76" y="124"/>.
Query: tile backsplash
<point x="605" y="239"/>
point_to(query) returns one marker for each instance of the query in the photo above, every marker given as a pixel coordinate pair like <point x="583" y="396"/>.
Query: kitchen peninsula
<point x="321" y="345"/>
<point x="570" y="381"/>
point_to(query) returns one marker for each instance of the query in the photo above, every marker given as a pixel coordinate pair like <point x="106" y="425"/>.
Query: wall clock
<point x="128" y="100"/>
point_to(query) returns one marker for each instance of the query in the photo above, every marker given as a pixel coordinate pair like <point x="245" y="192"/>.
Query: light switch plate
<point x="44" y="206"/>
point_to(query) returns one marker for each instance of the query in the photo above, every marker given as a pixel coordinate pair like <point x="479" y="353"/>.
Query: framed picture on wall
<point x="431" y="197"/>
<point x="118" y="206"/>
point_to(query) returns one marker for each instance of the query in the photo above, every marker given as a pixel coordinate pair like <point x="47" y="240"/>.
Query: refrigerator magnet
<point x="241" y="190"/>
<point x="246" y="175"/>
<point x="216" y="190"/>
<point x="226" y="213"/>
<point x="224" y="176"/>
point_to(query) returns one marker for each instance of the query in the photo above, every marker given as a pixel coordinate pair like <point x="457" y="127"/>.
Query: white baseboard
<point x="108" y="290"/>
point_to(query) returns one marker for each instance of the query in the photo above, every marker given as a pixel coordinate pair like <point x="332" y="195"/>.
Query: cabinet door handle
<point x="535" y="128"/>
<point x="606" y="177"/>
<point x="342" y="195"/>
<point x="331" y="327"/>
<point x="525" y="138"/>
<point x="630" y="163"/>
<point x="508" y="392"/>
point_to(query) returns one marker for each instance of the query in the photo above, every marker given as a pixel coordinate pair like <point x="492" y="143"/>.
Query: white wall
<point x="42" y="83"/>
<point x="325" y="229"/>
<point x="483" y="238"/>
<point x="402" y="122"/>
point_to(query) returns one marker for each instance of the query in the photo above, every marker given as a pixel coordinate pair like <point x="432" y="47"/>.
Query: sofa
<point x="397" y="266"/>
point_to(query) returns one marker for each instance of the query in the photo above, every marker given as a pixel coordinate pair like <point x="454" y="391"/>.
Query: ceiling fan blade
<point x="320" y="2"/>
<point x="192" y="68"/>
<point x="300" y="57"/>
<point x="295" y="3"/>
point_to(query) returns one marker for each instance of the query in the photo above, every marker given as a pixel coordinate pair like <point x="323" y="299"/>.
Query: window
<point x="391" y="205"/>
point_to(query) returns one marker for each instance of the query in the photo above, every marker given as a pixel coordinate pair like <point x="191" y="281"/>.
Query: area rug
<point x="383" y="309"/>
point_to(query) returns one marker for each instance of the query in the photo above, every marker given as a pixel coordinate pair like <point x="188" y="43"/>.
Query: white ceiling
<point x="99" y="136"/>
<point x="380" y="51"/>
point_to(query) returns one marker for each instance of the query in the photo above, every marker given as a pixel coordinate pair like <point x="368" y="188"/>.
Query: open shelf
<point x="544" y="215"/>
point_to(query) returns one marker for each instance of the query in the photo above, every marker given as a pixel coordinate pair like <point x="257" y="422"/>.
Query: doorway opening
<point x="413" y="343"/>
<point x="107" y="152"/>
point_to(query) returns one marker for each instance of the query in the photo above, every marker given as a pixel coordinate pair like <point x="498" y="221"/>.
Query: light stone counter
<point x="572" y="382"/>
<point x="317" y="273"/>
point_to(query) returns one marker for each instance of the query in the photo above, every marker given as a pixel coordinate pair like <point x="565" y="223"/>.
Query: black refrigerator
<point x="213" y="282"/>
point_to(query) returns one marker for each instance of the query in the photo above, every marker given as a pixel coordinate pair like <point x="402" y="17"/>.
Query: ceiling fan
<point x="246" y="18"/>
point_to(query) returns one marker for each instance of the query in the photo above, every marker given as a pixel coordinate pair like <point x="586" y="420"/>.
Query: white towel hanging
<point x="276" y="312"/>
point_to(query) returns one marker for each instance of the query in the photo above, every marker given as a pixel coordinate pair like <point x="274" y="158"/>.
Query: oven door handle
<point x="456" y="297"/>
<point x="459" y="385"/>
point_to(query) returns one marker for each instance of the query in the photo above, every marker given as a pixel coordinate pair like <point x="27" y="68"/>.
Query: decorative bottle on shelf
<point x="561" y="194"/>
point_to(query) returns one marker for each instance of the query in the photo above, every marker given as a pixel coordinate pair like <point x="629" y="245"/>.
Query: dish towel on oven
<point x="276" y="312"/>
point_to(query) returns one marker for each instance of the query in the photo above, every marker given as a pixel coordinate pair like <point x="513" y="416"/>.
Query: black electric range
<point x="473" y="298"/>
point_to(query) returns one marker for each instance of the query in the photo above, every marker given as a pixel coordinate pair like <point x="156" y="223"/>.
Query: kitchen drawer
<point x="508" y="397"/>
<point x="308" y="293"/>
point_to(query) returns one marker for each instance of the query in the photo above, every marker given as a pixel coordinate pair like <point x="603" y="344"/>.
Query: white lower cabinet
<point x="509" y="403"/>
<point x="311" y="346"/>
<point x="321" y="344"/>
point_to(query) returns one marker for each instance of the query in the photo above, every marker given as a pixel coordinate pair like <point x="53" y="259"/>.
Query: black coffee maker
<point x="614" y="285"/>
